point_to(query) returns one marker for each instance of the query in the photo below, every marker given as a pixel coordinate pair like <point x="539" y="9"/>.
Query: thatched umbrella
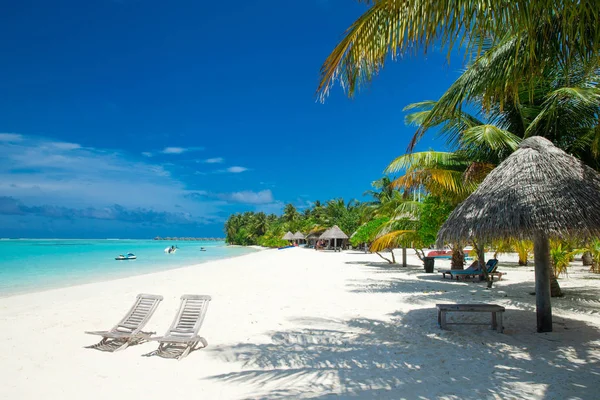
<point x="288" y="236"/>
<point x="333" y="233"/>
<point x="538" y="192"/>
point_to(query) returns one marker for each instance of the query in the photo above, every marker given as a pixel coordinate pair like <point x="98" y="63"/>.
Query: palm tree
<point x="261" y="223"/>
<point x="562" y="104"/>
<point x="232" y="225"/>
<point x="290" y="214"/>
<point x="564" y="30"/>
<point x="399" y="216"/>
<point x="441" y="174"/>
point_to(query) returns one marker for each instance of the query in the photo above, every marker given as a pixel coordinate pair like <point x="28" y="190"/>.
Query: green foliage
<point x="367" y="232"/>
<point x="251" y="228"/>
<point x="523" y="249"/>
<point x="434" y="213"/>
<point x="271" y="242"/>
<point x="594" y="248"/>
<point x="561" y="256"/>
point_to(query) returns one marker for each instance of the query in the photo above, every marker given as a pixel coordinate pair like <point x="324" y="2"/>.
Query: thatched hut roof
<point x="288" y="236"/>
<point x="537" y="189"/>
<point x="333" y="233"/>
<point x="315" y="234"/>
<point x="298" y="235"/>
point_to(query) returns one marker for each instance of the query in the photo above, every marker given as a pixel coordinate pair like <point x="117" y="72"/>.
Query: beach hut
<point x="298" y="236"/>
<point x="288" y="236"/>
<point x="334" y="234"/>
<point x="538" y="192"/>
<point x="313" y="237"/>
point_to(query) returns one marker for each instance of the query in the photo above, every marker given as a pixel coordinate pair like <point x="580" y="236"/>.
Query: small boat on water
<point x="129" y="256"/>
<point x="171" y="249"/>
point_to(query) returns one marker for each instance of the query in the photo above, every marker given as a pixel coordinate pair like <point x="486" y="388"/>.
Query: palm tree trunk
<point x="522" y="261"/>
<point x="458" y="257"/>
<point x="386" y="259"/>
<point x="555" y="290"/>
<point x="586" y="258"/>
<point x="543" y="272"/>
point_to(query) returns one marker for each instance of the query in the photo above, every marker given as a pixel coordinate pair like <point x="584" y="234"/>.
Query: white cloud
<point x="40" y="171"/>
<point x="147" y="154"/>
<point x="242" y="197"/>
<point x="174" y="150"/>
<point x="10" y="137"/>
<point x="216" y="160"/>
<point x="236" y="170"/>
<point x="275" y="207"/>
<point x="180" y="150"/>
<point x="249" y="197"/>
<point x="64" y="145"/>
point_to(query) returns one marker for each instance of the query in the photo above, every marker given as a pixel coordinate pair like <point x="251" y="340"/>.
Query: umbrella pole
<point x="404" y="256"/>
<point x="541" y="254"/>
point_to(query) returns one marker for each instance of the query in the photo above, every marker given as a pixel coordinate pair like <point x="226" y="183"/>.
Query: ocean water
<point x="35" y="265"/>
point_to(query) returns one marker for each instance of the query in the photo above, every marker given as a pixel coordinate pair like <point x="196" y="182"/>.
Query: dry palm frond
<point x="476" y="172"/>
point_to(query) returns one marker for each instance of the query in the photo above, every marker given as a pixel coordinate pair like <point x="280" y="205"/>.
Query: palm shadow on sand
<point x="405" y="358"/>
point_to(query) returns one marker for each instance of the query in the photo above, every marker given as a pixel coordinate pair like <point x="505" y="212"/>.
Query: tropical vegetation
<point x="532" y="69"/>
<point x="257" y="228"/>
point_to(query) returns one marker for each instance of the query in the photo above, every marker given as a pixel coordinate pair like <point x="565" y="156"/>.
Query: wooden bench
<point x="496" y="310"/>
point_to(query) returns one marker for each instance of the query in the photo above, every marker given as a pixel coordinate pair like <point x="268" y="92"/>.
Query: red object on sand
<point x="442" y="253"/>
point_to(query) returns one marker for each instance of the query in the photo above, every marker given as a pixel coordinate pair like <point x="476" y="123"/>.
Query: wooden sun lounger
<point x="182" y="337"/>
<point x="496" y="311"/>
<point x="129" y="330"/>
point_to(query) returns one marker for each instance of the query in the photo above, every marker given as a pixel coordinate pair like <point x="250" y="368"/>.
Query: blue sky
<point x="135" y="118"/>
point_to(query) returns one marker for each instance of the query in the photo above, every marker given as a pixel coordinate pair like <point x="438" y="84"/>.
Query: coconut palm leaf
<point x="393" y="28"/>
<point x="426" y="159"/>
<point x="391" y="240"/>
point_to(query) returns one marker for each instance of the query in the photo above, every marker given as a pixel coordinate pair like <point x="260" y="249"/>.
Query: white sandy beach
<point x="298" y="323"/>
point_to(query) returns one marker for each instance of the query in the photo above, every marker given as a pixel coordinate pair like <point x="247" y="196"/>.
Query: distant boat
<point x="129" y="256"/>
<point x="202" y="249"/>
<point x="170" y="249"/>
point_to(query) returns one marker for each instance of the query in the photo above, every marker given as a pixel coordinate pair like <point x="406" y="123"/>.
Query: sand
<point x="298" y="323"/>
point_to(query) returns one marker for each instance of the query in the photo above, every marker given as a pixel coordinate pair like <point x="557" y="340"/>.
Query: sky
<point x="138" y="118"/>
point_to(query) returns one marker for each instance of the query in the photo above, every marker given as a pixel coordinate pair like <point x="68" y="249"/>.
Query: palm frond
<point x="424" y="159"/>
<point x="393" y="28"/>
<point x="391" y="240"/>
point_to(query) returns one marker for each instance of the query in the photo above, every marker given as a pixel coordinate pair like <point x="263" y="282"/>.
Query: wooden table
<point x="496" y="311"/>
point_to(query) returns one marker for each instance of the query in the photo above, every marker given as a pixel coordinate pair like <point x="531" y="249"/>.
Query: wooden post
<point x="404" y="256"/>
<point x="541" y="253"/>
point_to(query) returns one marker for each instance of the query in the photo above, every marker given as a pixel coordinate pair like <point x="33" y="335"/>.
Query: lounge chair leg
<point x="204" y="342"/>
<point x="123" y="346"/>
<point x="185" y="352"/>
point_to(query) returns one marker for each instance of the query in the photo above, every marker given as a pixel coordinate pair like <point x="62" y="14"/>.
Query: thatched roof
<point x="333" y="233"/>
<point x="315" y="234"/>
<point x="298" y="235"/>
<point x="288" y="236"/>
<point x="538" y="188"/>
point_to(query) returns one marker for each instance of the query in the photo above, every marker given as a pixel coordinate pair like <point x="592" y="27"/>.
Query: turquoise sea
<point x="33" y="265"/>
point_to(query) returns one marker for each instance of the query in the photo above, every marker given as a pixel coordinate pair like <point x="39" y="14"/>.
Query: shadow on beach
<point x="409" y="357"/>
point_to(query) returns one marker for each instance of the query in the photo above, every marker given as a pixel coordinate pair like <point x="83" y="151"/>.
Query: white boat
<point x="170" y="249"/>
<point x="129" y="256"/>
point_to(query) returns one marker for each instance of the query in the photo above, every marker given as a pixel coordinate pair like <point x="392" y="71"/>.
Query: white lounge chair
<point x="182" y="337"/>
<point x="129" y="330"/>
